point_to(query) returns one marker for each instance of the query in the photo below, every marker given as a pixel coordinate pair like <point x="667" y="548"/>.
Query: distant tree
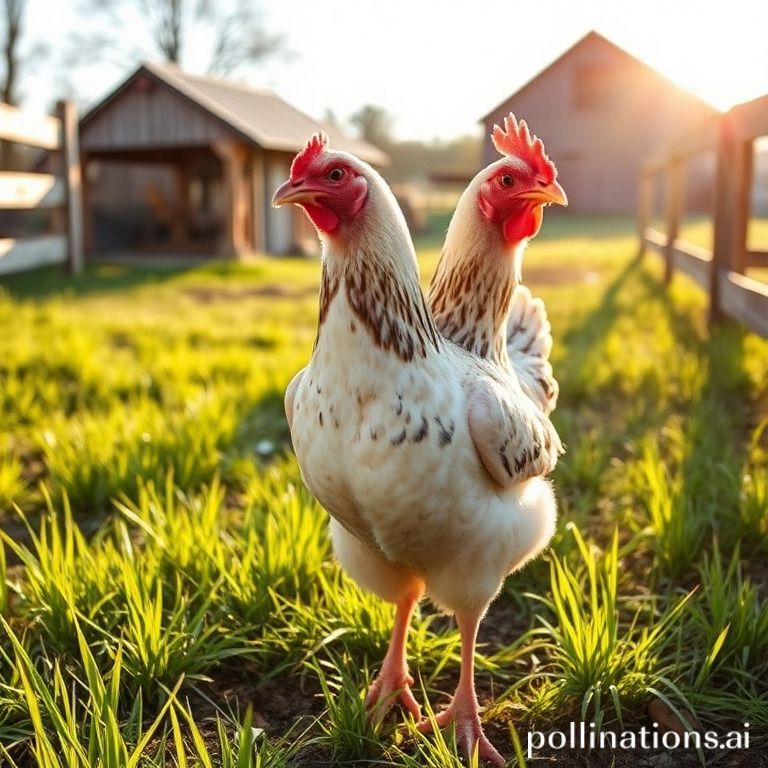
<point x="330" y="119"/>
<point x="233" y="31"/>
<point x="15" y="60"/>
<point x="418" y="160"/>
<point x="14" y="13"/>
<point x="374" y="124"/>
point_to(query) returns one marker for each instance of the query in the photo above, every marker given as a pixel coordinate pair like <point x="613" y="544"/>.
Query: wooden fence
<point x="719" y="271"/>
<point x="41" y="191"/>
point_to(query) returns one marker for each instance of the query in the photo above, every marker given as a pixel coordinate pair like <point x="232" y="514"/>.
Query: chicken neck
<point x="470" y="298"/>
<point x="383" y="298"/>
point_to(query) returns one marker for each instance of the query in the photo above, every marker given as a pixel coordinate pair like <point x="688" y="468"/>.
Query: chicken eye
<point x="336" y="174"/>
<point x="507" y="180"/>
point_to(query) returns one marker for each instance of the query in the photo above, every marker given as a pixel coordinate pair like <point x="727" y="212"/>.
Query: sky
<point x="439" y="66"/>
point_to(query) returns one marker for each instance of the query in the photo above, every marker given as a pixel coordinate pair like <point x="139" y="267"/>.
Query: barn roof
<point x="257" y="115"/>
<point x="590" y="38"/>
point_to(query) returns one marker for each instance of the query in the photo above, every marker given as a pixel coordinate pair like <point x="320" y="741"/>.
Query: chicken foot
<point x="393" y="681"/>
<point x="464" y="710"/>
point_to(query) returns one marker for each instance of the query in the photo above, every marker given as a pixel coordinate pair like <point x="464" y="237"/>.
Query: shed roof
<point x="258" y="115"/>
<point x="592" y="37"/>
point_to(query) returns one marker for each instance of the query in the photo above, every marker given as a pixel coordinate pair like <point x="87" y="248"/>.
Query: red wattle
<point x="324" y="219"/>
<point x="522" y="224"/>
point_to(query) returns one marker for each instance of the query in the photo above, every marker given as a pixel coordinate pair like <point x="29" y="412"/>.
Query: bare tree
<point x="16" y="60"/>
<point x="235" y="27"/>
<point x="374" y="124"/>
<point x="14" y="13"/>
<point x="167" y="23"/>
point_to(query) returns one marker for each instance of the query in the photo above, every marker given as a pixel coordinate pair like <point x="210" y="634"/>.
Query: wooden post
<point x="734" y="164"/>
<point x="743" y="205"/>
<point x="675" y="183"/>
<point x="70" y="147"/>
<point x="232" y="158"/>
<point x="180" y="220"/>
<point x="644" y="207"/>
<point x="88" y="233"/>
<point x="259" y="208"/>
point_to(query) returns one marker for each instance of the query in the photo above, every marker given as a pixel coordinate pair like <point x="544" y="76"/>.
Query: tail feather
<point x="529" y="344"/>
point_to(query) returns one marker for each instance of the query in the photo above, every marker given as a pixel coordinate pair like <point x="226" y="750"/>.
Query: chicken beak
<point x="294" y="192"/>
<point x="551" y="193"/>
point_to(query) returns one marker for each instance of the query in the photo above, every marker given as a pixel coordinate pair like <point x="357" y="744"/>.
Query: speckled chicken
<point x="480" y="264"/>
<point x="429" y="459"/>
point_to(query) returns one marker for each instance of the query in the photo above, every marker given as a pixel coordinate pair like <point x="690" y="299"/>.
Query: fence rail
<point x="720" y="271"/>
<point x="43" y="191"/>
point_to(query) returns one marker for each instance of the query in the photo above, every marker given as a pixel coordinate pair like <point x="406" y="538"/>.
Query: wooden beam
<point x="73" y="184"/>
<point x="745" y="300"/>
<point x="750" y="119"/>
<point x="30" y="190"/>
<point x="34" y="130"/>
<point x="756" y="258"/>
<point x="18" y="255"/>
<point x="702" y="139"/>
<point x="655" y="239"/>
<point x="695" y="261"/>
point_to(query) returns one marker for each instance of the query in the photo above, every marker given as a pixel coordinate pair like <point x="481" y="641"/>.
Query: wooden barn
<point x="180" y="164"/>
<point x="600" y="112"/>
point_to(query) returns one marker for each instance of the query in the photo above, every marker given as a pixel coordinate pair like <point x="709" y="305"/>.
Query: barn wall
<point x="599" y="147"/>
<point x="279" y="221"/>
<point x="149" y="115"/>
<point x="137" y="204"/>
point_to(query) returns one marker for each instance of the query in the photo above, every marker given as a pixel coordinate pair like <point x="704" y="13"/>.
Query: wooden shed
<point x="175" y="163"/>
<point x="600" y="112"/>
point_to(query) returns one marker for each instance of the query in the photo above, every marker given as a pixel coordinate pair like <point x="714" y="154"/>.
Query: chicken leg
<point x="464" y="710"/>
<point x="393" y="681"/>
<point x="395" y="584"/>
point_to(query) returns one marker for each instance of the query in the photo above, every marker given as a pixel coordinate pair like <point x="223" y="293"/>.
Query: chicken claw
<point x="391" y="685"/>
<point x="469" y="731"/>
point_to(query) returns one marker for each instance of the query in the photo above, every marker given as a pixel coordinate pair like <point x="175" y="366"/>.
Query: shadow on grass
<point x="96" y="278"/>
<point x="583" y="339"/>
<point x="717" y="425"/>
<point x="599" y="418"/>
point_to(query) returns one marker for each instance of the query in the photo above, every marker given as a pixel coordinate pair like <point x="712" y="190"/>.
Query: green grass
<point x="171" y="598"/>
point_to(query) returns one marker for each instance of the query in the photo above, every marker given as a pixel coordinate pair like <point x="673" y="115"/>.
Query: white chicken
<point x="474" y="294"/>
<point x="429" y="459"/>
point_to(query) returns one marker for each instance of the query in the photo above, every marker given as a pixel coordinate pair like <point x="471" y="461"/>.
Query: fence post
<point x="734" y="164"/>
<point x="644" y="206"/>
<point x="743" y="203"/>
<point x="675" y="184"/>
<point x="70" y="147"/>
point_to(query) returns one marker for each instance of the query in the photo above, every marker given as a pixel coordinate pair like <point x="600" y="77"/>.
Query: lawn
<point x="171" y="598"/>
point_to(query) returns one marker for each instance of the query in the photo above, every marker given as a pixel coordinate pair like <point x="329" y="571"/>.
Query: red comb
<point x="315" y="147"/>
<point x="515" y="139"/>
